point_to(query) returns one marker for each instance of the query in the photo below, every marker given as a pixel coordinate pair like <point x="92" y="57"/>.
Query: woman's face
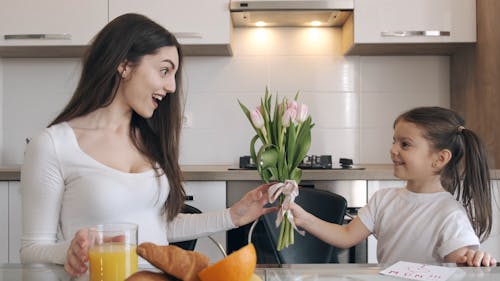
<point x="145" y="84"/>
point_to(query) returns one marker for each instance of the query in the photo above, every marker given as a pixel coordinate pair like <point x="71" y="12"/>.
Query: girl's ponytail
<point x="475" y="193"/>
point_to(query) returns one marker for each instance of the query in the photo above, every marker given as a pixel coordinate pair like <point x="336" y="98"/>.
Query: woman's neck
<point x="113" y="118"/>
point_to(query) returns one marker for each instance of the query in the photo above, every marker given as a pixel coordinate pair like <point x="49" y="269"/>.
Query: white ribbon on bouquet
<point x="290" y="190"/>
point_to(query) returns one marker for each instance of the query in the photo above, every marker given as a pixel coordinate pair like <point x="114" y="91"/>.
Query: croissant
<point x="145" y="275"/>
<point x="174" y="261"/>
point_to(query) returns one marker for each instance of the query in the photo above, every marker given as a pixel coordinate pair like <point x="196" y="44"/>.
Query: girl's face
<point x="144" y="85"/>
<point x="411" y="153"/>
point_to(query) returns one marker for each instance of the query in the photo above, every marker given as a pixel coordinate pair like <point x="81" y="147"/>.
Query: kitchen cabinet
<point x="196" y="23"/>
<point x="51" y="23"/>
<point x="4" y="222"/>
<point x="208" y="196"/>
<point x="409" y="26"/>
<point x="15" y="221"/>
<point x="10" y="222"/>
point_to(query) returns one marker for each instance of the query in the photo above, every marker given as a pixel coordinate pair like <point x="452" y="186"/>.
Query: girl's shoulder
<point x="389" y="191"/>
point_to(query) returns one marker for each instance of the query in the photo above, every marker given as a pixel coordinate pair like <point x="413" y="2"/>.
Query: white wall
<point x="353" y="100"/>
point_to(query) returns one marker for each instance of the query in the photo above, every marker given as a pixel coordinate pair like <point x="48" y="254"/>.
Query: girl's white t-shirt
<point x="63" y="189"/>
<point x="416" y="227"/>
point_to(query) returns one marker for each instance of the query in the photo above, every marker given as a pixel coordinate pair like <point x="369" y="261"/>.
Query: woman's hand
<point x="77" y="255"/>
<point x="251" y="206"/>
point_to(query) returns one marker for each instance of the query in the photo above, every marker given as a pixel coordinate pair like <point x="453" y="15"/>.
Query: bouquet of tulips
<point x="284" y="132"/>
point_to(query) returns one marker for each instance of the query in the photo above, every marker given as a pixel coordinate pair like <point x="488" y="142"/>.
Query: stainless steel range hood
<point x="290" y="13"/>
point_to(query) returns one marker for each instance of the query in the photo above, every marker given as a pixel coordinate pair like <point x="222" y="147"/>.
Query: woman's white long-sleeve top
<point x="63" y="189"/>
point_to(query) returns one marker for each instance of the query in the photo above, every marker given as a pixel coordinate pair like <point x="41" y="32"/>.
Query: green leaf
<point x="304" y="139"/>
<point x="274" y="172"/>
<point x="252" y="148"/>
<point x="268" y="157"/>
<point x="296" y="96"/>
<point x="296" y="175"/>
<point x="265" y="175"/>
<point x="291" y="143"/>
<point x="276" y="124"/>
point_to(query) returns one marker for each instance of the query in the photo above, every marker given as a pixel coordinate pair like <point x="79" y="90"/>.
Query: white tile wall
<point x="35" y="90"/>
<point x="353" y="100"/>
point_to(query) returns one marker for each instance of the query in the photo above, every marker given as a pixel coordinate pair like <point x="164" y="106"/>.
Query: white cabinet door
<point x="208" y="196"/>
<point x="192" y="21"/>
<point x="4" y="222"/>
<point x="15" y="222"/>
<point x="62" y="22"/>
<point x="414" y="21"/>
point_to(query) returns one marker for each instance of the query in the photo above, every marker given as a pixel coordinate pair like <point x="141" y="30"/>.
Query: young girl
<point x="423" y="222"/>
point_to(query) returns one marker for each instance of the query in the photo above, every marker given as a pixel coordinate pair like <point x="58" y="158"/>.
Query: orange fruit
<point x="238" y="266"/>
<point x="255" y="277"/>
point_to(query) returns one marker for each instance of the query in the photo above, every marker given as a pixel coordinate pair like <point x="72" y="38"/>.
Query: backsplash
<point x="353" y="100"/>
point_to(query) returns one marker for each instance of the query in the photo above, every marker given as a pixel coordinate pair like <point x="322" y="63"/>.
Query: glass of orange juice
<point x="112" y="256"/>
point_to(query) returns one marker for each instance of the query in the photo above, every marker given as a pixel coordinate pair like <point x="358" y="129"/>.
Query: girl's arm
<point x="471" y="257"/>
<point x="341" y="236"/>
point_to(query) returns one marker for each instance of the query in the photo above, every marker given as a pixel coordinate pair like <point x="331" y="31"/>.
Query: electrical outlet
<point x="187" y="120"/>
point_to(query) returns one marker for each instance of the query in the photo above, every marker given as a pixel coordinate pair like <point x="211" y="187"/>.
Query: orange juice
<point x="112" y="261"/>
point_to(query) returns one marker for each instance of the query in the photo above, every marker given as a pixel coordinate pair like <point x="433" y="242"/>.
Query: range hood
<point x="290" y="13"/>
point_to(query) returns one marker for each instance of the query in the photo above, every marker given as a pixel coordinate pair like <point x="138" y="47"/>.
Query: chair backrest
<point x="189" y="244"/>
<point x="323" y="204"/>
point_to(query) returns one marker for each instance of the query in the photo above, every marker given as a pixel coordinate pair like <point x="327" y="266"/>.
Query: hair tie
<point x="460" y="129"/>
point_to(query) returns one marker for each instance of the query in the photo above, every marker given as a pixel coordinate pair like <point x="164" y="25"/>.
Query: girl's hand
<point x="471" y="257"/>
<point x="251" y="206"/>
<point x="300" y="216"/>
<point x="77" y="255"/>
<point x="476" y="258"/>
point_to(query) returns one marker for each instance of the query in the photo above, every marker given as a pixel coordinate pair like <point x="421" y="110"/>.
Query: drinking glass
<point x="112" y="256"/>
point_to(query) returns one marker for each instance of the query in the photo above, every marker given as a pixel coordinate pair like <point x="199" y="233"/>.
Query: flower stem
<point x="282" y="236"/>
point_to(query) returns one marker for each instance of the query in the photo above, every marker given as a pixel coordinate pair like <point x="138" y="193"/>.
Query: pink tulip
<point x="289" y="116"/>
<point x="292" y="105"/>
<point x="302" y="113"/>
<point x="257" y="119"/>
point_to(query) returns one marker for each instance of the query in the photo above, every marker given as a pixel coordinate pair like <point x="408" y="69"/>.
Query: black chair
<point x="189" y="244"/>
<point x="327" y="206"/>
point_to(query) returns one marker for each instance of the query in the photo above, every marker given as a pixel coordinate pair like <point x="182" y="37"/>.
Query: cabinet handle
<point x="188" y="198"/>
<point x="62" y="36"/>
<point x="424" y="33"/>
<point x="188" y="35"/>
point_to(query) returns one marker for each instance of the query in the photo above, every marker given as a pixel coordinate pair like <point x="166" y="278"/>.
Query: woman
<point x="112" y="154"/>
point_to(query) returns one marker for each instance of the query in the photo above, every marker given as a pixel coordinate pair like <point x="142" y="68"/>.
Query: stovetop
<point x="321" y="162"/>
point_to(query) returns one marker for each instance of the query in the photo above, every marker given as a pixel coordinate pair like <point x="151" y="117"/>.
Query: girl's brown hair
<point x="467" y="174"/>
<point x="128" y="38"/>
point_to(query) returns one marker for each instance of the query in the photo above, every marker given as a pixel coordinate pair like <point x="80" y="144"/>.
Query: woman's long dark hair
<point x="127" y="39"/>
<point x="467" y="174"/>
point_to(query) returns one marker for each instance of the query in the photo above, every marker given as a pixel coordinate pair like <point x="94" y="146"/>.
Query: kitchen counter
<point x="230" y="173"/>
